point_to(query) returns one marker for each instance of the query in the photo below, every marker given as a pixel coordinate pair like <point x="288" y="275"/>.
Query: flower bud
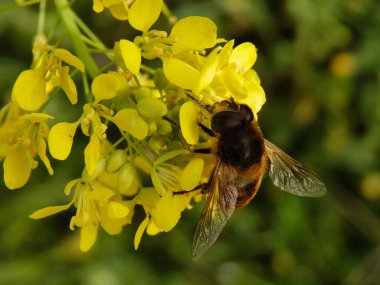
<point x="126" y="177"/>
<point x="156" y="142"/>
<point x="100" y="165"/>
<point x="143" y="92"/>
<point x="160" y="80"/>
<point x="116" y="161"/>
<point x="152" y="108"/>
<point x="163" y="127"/>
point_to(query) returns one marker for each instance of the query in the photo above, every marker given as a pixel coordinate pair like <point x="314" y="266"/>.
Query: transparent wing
<point x="220" y="205"/>
<point x="292" y="176"/>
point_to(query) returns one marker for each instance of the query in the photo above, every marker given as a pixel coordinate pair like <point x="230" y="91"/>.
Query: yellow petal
<point x="148" y="196"/>
<point x="140" y="232"/>
<point x="225" y="54"/>
<point x="244" y="56"/>
<point x="255" y="99"/>
<point x="48" y="211"/>
<point x="167" y="213"/>
<point x="117" y="210"/>
<point x="119" y="11"/>
<point x="110" y="225"/>
<point x="152" y="229"/>
<point x="109" y="3"/>
<point x="41" y="150"/>
<point x="191" y="174"/>
<point x="208" y="71"/>
<point x="61" y="138"/>
<point x="100" y="194"/>
<point x="106" y="86"/>
<point x="29" y="90"/>
<point x="97" y="6"/>
<point x="70" y="185"/>
<point x="17" y="169"/>
<point x="129" y="120"/>
<point x="131" y="55"/>
<point x="188" y="118"/>
<point x="180" y="73"/>
<point x="235" y="82"/>
<point x="68" y="85"/>
<point x="92" y="154"/>
<point x="69" y="58"/>
<point x="36" y="117"/>
<point x="144" y="13"/>
<point x="87" y="237"/>
<point x="194" y="33"/>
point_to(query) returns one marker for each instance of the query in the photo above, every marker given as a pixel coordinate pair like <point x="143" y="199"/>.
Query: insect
<point x="242" y="159"/>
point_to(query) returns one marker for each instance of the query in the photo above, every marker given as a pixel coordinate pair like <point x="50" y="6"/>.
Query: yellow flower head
<point x="22" y="139"/>
<point x="32" y="87"/>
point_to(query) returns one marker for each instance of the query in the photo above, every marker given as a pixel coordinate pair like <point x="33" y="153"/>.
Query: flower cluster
<point x="154" y="111"/>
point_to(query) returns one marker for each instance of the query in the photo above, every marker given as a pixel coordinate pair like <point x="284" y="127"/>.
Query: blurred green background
<point x="319" y="62"/>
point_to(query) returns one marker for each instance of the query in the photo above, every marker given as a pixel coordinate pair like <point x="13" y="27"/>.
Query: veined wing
<point x="292" y="176"/>
<point x="220" y="205"/>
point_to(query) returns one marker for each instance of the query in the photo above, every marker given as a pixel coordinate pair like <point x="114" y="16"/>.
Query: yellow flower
<point x="32" y="87"/>
<point x="96" y="205"/>
<point x="224" y="73"/>
<point x="141" y="14"/>
<point x="22" y="139"/>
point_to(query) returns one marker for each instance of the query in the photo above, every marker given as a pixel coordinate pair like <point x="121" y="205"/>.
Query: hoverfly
<point x="242" y="158"/>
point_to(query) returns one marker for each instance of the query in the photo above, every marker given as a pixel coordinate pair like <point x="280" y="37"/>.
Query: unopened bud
<point x="116" y="161"/>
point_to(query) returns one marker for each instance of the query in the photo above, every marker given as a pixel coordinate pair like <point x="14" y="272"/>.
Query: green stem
<point x="86" y="87"/>
<point x="41" y="18"/>
<point x="68" y="18"/>
<point x="18" y="5"/>
<point x="89" y="33"/>
<point x="168" y="14"/>
<point x="147" y="69"/>
<point x="136" y="80"/>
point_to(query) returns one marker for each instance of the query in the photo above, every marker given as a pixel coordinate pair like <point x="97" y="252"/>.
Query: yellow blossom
<point x="140" y="123"/>
<point x="96" y="205"/>
<point x="22" y="139"/>
<point x="31" y="88"/>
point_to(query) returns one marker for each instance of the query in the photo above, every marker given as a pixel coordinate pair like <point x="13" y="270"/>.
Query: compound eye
<point x="246" y="114"/>
<point x="225" y="121"/>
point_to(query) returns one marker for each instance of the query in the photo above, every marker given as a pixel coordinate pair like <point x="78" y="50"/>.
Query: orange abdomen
<point x="248" y="182"/>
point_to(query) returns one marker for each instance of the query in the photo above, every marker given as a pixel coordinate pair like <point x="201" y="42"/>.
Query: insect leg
<point x="202" y="150"/>
<point x="207" y="107"/>
<point x="203" y="187"/>
<point x="171" y="121"/>
<point x="208" y="131"/>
